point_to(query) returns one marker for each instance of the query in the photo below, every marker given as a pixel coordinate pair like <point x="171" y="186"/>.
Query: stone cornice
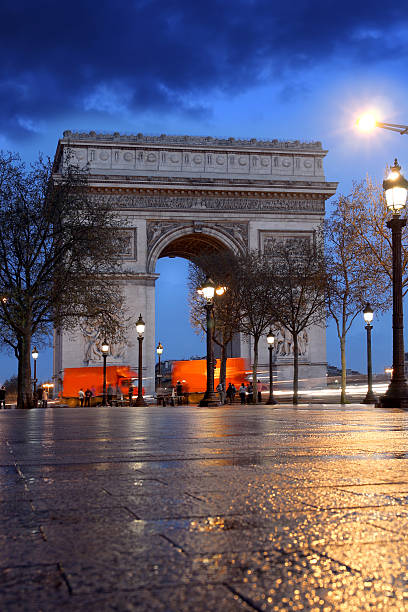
<point x="231" y="194"/>
<point x="190" y="141"/>
<point x="227" y="184"/>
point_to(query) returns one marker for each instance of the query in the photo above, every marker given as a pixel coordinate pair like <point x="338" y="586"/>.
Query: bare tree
<point x="367" y="214"/>
<point x="351" y="282"/>
<point x="220" y="267"/>
<point x="297" y="279"/>
<point x="253" y="284"/>
<point x="58" y="258"/>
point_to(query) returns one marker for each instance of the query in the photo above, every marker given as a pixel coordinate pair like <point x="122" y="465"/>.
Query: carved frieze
<point x="214" y="203"/>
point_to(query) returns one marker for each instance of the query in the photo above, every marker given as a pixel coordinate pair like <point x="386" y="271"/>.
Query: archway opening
<point x="173" y="327"/>
<point x="191" y="246"/>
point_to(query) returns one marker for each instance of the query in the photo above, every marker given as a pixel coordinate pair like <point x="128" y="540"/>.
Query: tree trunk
<point x="19" y="369"/>
<point x="255" y="371"/>
<point x="295" y="370"/>
<point x="25" y="394"/>
<point x="343" y="370"/>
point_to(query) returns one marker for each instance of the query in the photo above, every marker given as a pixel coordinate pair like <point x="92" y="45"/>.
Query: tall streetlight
<point x="105" y="352"/>
<point x="140" y="327"/>
<point x="34" y="355"/>
<point x="207" y="291"/>
<point x="270" y="338"/>
<point x="396" y="190"/>
<point x="368" y="315"/>
<point x="159" y="351"/>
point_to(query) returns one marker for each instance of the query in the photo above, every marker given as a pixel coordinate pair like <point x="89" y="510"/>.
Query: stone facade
<point x="180" y="195"/>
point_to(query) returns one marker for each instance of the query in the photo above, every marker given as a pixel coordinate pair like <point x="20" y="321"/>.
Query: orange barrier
<point x="92" y="378"/>
<point x="193" y="373"/>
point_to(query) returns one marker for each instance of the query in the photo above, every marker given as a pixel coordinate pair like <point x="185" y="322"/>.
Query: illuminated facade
<point x="183" y="195"/>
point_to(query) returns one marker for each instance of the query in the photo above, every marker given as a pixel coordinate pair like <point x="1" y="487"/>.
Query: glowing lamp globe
<point x="270" y="338"/>
<point x="208" y="289"/>
<point x="34" y="353"/>
<point x="105" y="347"/>
<point x="368" y="313"/>
<point x="140" y="325"/>
<point x="159" y="348"/>
<point x="367" y="122"/>
<point x="396" y="189"/>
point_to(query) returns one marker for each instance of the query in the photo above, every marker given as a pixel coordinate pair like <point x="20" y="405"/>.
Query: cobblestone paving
<point x="195" y="509"/>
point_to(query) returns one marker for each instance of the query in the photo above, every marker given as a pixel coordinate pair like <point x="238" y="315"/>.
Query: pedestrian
<point x="3" y="397"/>
<point x="88" y="395"/>
<point x="130" y="393"/>
<point x="242" y="393"/>
<point x="250" y="391"/>
<point x="259" y="392"/>
<point x="234" y="392"/>
<point x="173" y="397"/>
<point x="110" y="395"/>
<point x="81" y="397"/>
<point x="229" y="392"/>
<point x="179" y="391"/>
<point x="220" y="390"/>
<point x="44" y="398"/>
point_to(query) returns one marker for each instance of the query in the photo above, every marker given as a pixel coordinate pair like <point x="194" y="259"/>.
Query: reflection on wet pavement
<point x="186" y="508"/>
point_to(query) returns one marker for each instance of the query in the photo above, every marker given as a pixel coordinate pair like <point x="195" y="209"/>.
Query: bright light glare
<point x="367" y="122"/>
<point x="393" y="175"/>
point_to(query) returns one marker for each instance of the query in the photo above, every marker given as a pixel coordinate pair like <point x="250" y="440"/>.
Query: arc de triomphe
<point x="181" y="195"/>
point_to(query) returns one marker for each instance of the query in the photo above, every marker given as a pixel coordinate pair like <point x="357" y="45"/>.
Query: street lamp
<point x="270" y="338"/>
<point x="140" y="327"/>
<point x="396" y="190"/>
<point x="34" y="355"/>
<point x="207" y="291"/>
<point x="105" y="352"/>
<point x="368" y="315"/>
<point x="368" y="122"/>
<point x="159" y="351"/>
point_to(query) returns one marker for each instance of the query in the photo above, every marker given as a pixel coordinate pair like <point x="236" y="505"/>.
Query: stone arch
<point x="187" y="242"/>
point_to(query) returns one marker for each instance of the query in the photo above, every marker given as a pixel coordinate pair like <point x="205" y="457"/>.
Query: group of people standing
<point x="246" y="393"/>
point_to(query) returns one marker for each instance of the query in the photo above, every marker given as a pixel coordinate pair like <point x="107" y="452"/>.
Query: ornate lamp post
<point x="396" y="190"/>
<point x="159" y="351"/>
<point x="270" y="338"/>
<point x="140" y="327"/>
<point x="207" y="291"/>
<point x="368" y="314"/>
<point x="105" y="352"/>
<point x="34" y="355"/>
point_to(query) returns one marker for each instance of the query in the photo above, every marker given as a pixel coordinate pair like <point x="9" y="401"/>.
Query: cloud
<point x="167" y="55"/>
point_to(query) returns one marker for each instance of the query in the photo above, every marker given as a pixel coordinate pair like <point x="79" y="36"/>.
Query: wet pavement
<point x="195" y="509"/>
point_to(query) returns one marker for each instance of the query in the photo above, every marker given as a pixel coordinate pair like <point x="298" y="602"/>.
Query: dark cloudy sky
<point x="244" y="68"/>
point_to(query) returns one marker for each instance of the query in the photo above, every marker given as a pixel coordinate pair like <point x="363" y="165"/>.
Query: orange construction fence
<point x="92" y="378"/>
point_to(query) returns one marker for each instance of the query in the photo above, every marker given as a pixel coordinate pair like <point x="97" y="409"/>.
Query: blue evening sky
<point x="244" y="68"/>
